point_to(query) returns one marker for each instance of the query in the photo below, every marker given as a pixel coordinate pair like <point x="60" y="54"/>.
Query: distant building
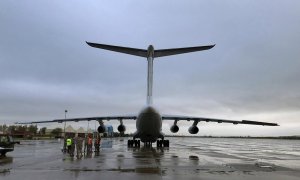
<point x="109" y="130"/>
<point x="70" y="131"/>
<point x="89" y="131"/>
<point x="81" y="132"/>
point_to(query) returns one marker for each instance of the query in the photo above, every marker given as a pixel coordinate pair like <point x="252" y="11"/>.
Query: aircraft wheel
<point x="135" y="142"/>
<point x="166" y="143"/>
<point x="158" y="143"/>
<point x="130" y="143"/>
<point x="138" y="143"/>
<point x="148" y="144"/>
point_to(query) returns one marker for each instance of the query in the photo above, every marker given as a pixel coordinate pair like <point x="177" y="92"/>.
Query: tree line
<point x="18" y="128"/>
<point x="32" y="129"/>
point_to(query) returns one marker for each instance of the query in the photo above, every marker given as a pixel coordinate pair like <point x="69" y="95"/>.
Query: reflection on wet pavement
<point x="187" y="158"/>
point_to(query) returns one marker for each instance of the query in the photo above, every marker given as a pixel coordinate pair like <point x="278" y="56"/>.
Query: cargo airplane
<point x="149" y="119"/>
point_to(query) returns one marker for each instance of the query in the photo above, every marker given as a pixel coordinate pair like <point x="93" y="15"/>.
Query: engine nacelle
<point x="174" y="128"/>
<point x="193" y="130"/>
<point x="101" y="129"/>
<point x="121" y="128"/>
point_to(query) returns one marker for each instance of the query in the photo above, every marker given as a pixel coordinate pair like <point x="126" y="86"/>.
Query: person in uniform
<point x="89" y="144"/>
<point x="97" y="143"/>
<point x="85" y="144"/>
<point x="69" y="144"/>
<point x="73" y="146"/>
<point x="64" y="150"/>
<point x="79" y="147"/>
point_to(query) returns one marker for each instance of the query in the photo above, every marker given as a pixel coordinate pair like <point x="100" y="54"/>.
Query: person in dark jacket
<point x="79" y="143"/>
<point x="97" y="143"/>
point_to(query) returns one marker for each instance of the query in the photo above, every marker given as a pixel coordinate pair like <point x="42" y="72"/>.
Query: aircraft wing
<point x="164" y="117"/>
<point x="199" y="119"/>
<point x="126" y="50"/>
<point x="100" y="118"/>
<point x="169" y="52"/>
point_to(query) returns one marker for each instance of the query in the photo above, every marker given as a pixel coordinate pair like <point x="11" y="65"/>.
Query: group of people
<point x="72" y="143"/>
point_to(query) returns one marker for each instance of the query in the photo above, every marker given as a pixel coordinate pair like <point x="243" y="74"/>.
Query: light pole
<point x="88" y="127"/>
<point x="65" y="123"/>
<point x="65" y="147"/>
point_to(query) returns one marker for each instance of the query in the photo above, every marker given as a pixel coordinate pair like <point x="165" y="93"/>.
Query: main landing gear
<point x="133" y="143"/>
<point x="137" y="143"/>
<point x="162" y="143"/>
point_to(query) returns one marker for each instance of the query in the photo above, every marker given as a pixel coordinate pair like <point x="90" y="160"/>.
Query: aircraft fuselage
<point x="148" y="125"/>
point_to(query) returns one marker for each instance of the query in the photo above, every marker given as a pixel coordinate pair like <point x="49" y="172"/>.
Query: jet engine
<point x="101" y="129"/>
<point x="193" y="129"/>
<point x="121" y="128"/>
<point x="174" y="128"/>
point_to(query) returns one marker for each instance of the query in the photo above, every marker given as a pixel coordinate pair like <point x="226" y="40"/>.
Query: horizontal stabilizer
<point x="144" y="53"/>
<point x="126" y="50"/>
<point x="170" y="52"/>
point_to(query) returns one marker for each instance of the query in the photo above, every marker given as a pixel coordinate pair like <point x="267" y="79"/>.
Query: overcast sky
<point x="252" y="72"/>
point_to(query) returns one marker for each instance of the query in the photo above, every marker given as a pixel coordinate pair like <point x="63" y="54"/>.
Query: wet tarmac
<point x="187" y="158"/>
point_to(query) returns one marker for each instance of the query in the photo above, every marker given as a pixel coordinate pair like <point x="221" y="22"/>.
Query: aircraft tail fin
<point x="170" y="52"/>
<point x="126" y="50"/>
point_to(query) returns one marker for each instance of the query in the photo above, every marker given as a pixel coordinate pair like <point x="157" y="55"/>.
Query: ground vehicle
<point x="7" y="144"/>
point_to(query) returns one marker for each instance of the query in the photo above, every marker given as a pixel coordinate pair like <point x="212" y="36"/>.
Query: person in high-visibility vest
<point x="69" y="144"/>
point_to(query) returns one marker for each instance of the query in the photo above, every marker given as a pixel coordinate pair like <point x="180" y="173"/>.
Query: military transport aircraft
<point x="149" y="120"/>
